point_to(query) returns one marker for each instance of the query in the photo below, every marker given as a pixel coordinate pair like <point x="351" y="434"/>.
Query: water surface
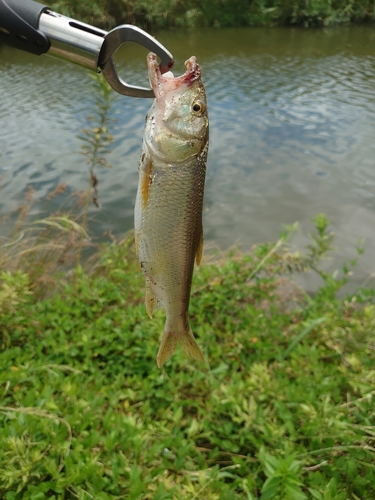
<point x="292" y="133"/>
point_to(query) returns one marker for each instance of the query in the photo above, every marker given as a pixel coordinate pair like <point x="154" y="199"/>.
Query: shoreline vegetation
<point x="174" y="14"/>
<point x="285" y="411"/>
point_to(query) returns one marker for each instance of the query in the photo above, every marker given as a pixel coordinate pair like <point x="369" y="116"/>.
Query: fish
<point x="168" y="226"/>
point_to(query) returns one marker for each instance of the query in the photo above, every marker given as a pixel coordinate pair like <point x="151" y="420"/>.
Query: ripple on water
<point x="292" y="127"/>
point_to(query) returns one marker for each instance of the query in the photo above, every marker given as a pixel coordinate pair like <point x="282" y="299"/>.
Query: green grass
<point x="286" y="410"/>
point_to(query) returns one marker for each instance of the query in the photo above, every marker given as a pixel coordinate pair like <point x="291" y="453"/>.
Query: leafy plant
<point x="282" y="481"/>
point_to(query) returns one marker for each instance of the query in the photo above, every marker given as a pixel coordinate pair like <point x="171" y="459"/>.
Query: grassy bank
<point x="151" y="14"/>
<point x="286" y="410"/>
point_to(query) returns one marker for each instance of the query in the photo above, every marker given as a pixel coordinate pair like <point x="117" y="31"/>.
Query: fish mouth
<point x="163" y="84"/>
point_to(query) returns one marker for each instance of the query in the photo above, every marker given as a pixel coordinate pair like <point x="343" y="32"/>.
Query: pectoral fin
<point x="145" y="180"/>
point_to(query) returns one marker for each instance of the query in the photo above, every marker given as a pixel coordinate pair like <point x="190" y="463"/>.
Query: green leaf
<point x="303" y="334"/>
<point x="271" y="487"/>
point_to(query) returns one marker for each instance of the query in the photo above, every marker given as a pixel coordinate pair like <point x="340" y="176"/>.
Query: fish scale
<point x="179" y="213"/>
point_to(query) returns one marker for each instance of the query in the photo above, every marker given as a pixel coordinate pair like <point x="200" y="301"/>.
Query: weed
<point x="96" y="142"/>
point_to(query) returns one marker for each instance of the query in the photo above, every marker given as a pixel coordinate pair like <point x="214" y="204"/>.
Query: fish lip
<point x="161" y="84"/>
<point x="193" y="71"/>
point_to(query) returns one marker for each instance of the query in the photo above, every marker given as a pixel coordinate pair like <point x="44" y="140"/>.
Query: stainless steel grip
<point x="72" y="40"/>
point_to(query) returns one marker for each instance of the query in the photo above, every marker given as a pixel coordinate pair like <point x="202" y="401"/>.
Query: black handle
<point x="19" y="22"/>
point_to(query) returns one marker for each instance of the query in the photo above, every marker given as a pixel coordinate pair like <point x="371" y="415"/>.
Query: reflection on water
<point x="292" y="132"/>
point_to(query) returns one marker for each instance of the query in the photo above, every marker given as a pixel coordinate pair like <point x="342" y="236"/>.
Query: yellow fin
<point x="167" y="347"/>
<point x="151" y="300"/>
<point x="169" y="343"/>
<point x="199" y="253"/>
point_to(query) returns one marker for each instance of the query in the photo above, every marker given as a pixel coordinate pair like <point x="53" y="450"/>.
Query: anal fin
<point x="151" y="300"/>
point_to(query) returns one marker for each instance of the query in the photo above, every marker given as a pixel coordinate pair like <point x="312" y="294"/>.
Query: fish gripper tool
<point x="34" y="28"/>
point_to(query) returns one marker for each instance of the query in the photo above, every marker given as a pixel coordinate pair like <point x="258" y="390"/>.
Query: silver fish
<point x="168" y="210"/>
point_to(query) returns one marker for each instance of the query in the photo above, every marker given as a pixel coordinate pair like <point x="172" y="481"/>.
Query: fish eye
<point x="198" y="107"/>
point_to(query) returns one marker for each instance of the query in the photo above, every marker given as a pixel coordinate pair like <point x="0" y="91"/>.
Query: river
<point x="292" y="133"/>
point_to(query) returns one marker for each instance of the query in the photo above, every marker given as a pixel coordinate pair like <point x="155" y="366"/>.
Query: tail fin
<point x="169" y="343"/>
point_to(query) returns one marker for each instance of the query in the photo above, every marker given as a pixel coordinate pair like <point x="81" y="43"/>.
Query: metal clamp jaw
<point x="129" y="33"/>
